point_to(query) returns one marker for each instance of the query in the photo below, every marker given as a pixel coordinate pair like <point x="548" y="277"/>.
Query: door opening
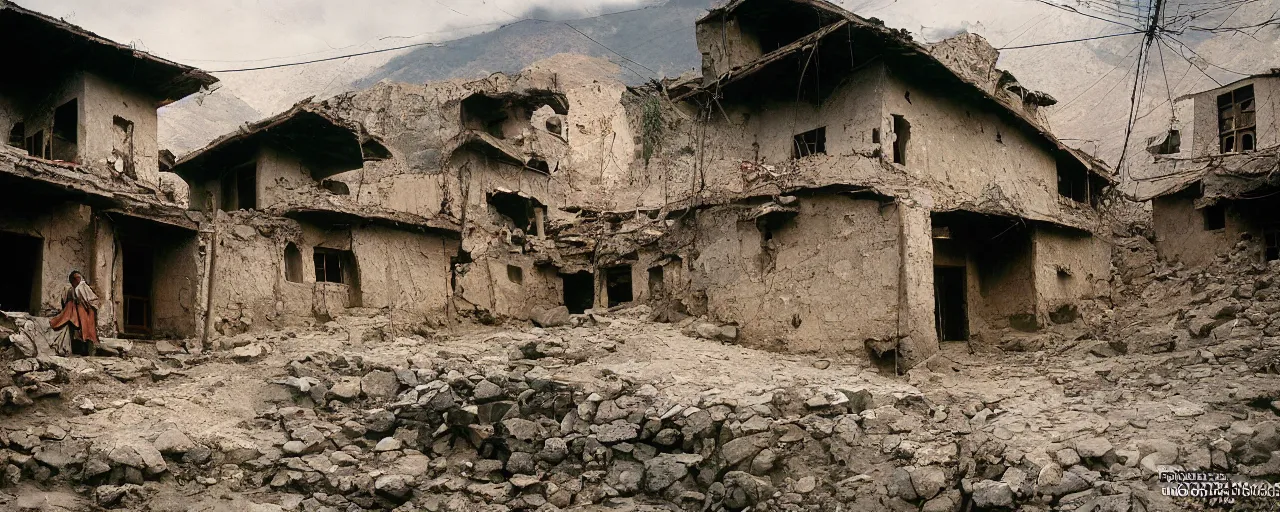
<point x="579" y="291"/>
<point x="618" y="285"/>
<point x="21" y="257"/>
<point x="138" y="278"/>
<point x="950" y="315"/>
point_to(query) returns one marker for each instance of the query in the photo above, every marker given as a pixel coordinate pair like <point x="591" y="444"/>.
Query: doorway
<point x="21" y="257"/>
<point x="137" y="278"/>
<point x="579" y="291"/>
<point x="950" y="313"/>
<point x="617" y="281"/>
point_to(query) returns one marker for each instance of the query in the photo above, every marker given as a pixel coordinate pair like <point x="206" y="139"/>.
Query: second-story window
<point x="808" y="143"/>
<point x="1236" y="121"/>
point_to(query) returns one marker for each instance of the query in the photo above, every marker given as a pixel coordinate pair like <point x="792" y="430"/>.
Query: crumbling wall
<point x="969" y="154"/>
<point x="724" y="46"/>
<point x="36" y="108"/>
<point x="101" y="142"/>
<point x="66" y="229"/>
<point x="1069" y="266"/>
<point x="1266" y="93"/>
<point x="748" y="147"/>
<point x="1181" y="234"/>
<point x="176" y="280"/>
<point x="827" y="282"/>
<point x="249" y="289"/>
<point x="280" y="173"/>
<point x="404" y="271"/>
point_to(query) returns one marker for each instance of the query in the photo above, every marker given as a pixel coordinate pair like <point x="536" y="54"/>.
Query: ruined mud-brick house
<point x="854" y="188"/>
<point x="891" y="196"/>
<point x="81" y="185"/>
<point x="528" y="164"/>
<point x="290" y="244"/>
<point x="1212" y="177"/>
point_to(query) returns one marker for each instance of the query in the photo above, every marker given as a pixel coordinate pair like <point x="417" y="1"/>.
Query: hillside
<point x="658" y="40"/>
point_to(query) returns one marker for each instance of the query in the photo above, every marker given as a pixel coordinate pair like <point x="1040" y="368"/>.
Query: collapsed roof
<point x="818" y="23"/>
<point x="327" y="144"/>
<point x="1237" y="176"/>
<point x="46" y="46"/>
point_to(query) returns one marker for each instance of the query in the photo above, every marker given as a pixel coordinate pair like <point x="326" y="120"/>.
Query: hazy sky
<point x="209" y="33"/>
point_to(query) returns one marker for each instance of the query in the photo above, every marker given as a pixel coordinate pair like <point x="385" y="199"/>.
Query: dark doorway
<point x="579" y="291"/>
<point x="138" y="276"/>
<point x="617" y="285"/>
<point x="950" y="314"/>
<point x="20" y="289"/>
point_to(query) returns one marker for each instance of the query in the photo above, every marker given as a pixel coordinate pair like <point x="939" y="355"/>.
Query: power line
<point x="370" y="52"/>
<point x="1037" y="45"/>
<point x="1085" y="14"/>
<point x="623" y="57"/>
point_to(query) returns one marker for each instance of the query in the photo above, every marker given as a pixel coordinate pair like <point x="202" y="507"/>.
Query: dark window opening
<point x="809" y="143"/>
<point x="336" y="187"/>
<point x="138" y="276"/>
<point x="123" y="150"/>
<point x="1073" y="180"/>
<point x="1237" y="120"/>
<point x="1215" y="217"/>
<point x="901" y="135"/>
<point x="950" y="316"/>
<point x="521" y="210"/>
<point x="1171" y="144"/>
<point x="66" y="126"/>
<point x="480" y="112"/>
<point x="656" y="286"/>
<point x="36" y="145"/>
<point x="22" y="260"/>
<point x="617" y="285"/>
<point x="539" y="165"/>
<point x="17" y="135"/>
<point x="579" y="291"/>
<point x="875" y="135"/>
<point x="292" y="263"/>
<point x="1271" y="237"/>
<point x="334" y="266"/>
<point x="515" y="274"/>
<point x="240" y="188"/>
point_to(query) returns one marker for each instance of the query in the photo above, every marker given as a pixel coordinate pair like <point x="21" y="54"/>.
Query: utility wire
<point x="1037" y="45"/>
<point x="370" y="52"/>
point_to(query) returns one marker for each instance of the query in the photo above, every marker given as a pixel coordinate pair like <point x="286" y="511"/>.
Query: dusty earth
<point x="615" y="412"/>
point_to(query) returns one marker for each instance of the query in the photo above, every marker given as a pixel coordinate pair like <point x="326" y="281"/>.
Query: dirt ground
<point x="1080" y="416"/>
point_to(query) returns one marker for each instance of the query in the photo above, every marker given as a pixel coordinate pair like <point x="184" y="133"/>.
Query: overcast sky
<point x="207" y="33"/>
<point x="212" y="34"/>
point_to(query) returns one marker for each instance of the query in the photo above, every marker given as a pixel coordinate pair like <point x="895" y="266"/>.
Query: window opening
<point x="809" y="143"/>
<point x="1215" y="217"/>
<point x="618" y="285"/>
<point x="515" y="274"/>
<point x="66" y="126"/>
<point x="292" y="263"/>
<point x="901" y="135"/>
<point x="1236" y="120"/>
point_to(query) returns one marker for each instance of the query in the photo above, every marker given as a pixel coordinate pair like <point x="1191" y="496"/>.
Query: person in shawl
<point x="76" y="327"/>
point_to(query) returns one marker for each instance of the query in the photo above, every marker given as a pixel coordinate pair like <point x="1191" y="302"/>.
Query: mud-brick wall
<point x="491" y="284"/>
<point x="832" y="283"/>
<point x="1180" y="232"/>
<point x="279" y="172"/>
<point x="750" y="131"/>
<point x="1204" y="137"/>
<point x="403" y="270"/>
<point x="176" y="282"/>
<point x="969" y="148"/>
<point x="248" y="275"/>
<point x="66" y="231"/>
<point x="1069" y="265"/>
<point x="102" y="103"/>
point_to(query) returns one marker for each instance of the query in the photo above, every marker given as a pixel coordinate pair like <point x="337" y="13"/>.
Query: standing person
<point x="77" y="325"/>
